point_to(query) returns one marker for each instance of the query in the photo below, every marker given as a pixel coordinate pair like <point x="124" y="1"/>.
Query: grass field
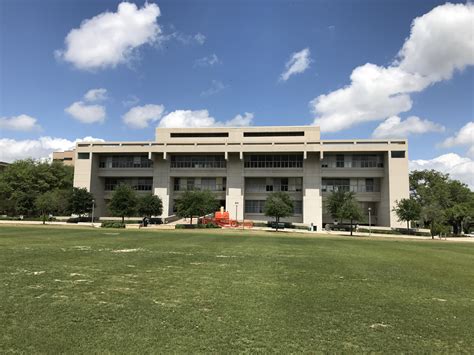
<point x="83" y="291"/>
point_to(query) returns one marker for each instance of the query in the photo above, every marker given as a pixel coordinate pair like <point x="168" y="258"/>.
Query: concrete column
<point x="312" y="200"/>
<point x="394" y="187"/>
<point x="86" y="176"/>
<point x="235" y="186"/>
<point x="161" y="182"/>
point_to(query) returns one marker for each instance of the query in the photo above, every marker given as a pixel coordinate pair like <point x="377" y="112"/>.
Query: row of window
<point x="273" y="161"/>
<point x="257" y="206"/>
<point x="188" y="184"/>
<point x="292" y="184"/>
<point x="125" y="161"/>
<point x="139" y="184"/>
<point x="198" y="161"/>
<point x="356" y="185"/>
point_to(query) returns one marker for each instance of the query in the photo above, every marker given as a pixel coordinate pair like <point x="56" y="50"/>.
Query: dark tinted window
<point x="199" y="135"/>
<point x="398" y="154"/>
<point x="274" y="134"/>
<point x="83" y="155"/>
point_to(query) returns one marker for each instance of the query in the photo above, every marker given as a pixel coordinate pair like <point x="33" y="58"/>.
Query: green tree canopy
<point x="343" y="205"/>
<point x="150" y="205"/>
<point x="407" y="209"/>
<point x="123" y="202"/>
<point x="24" y="180"/>
<point x="278" y="205"/>
<point x="196" y="203"/>
<point x="442" y="200"/>
<point x="81" y="201"/>
<point x="46" y="203"/>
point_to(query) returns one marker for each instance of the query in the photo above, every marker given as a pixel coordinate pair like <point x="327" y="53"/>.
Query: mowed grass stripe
<point x="84" y="290"/>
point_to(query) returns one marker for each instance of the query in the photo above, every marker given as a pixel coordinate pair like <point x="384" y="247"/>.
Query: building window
<point x="83" y="155"/>
<point x="125" y="161"/>
<point x="398" y="154"/>
<point x="274" y="134"/>
<point x="298" y="207"/>
<point x="198" y="161"/>
<point x="352" y="161"/>
<point x="138" y="184"/>
<point x="273" y="161"/>
<point x="199" y="135"/>
<point x="292" y="184"/>
<point x="254" y="206"/>
<point x="357" y="185"/>
<point x="189" y="184"/>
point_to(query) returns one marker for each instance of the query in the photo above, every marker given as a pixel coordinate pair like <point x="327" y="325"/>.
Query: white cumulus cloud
<point x="241" y="120"/>
<point x="19" y="123"/>
<point x="440" y="43"/>
<point x="201" y="118"/>
<point x="111" y="38"/>
<point x="458" y="167"/>
<point x="142" y="116"/>
<point x="298" y="63"/>
<point x="86" y="113"/>
<point x="96" y="95"/>
<point x="41" y="148"/>
<point x="465" y="136"/>
<point x="395" y="127"/>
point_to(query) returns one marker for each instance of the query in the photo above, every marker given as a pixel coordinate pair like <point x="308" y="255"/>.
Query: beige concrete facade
<point x="67" y="157"/>
<point x="243" y="165"/>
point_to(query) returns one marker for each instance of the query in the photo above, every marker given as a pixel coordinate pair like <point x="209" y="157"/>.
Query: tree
<point x="196" y="203"/>
<point x="351" y="209"/>
<point x="442" y="200"/>
<point x="24" y="180"/>
<point x="334" y="204"/>
<point x="123" y="202"/>
<point x="278" y="205"/>
<point x="150" y="205"/>
<point x="407" y="209"/>
<point x="343" y="205"/>
<point x="46" y="203"/>
<point x="81" y="201"/>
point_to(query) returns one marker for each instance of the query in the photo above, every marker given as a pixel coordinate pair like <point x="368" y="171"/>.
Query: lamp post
<point x="370" y="230"/>
<point x="236" y="210"/>
<point x="92" y="220"/>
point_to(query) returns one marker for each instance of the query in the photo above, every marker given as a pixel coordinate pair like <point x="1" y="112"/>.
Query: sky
<point x="75" y="70"/>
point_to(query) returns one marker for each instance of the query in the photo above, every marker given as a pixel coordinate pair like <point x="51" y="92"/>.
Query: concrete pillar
<point x="161" y="182"/>
<point x="235" y="186"/>
<point x="394" y="187"/>
<point x="86" y="176"/>
<point x="399" y="186"/>
<point x="312" y="200"/>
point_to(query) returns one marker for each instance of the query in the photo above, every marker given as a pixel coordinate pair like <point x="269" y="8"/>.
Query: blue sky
<point x="228" y="57"/>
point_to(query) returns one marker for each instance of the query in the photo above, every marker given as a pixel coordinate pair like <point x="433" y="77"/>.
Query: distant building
<point x="67" y="157"/>
<point x="3" y="165"/>
<point x="242" y="166"/>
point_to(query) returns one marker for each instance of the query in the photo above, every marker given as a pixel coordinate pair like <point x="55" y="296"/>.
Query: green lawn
<point x="82" y="291"/>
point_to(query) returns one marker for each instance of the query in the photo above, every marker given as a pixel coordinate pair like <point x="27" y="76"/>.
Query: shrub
<point x="82" y="219"/>
<point x="112" y="224"/>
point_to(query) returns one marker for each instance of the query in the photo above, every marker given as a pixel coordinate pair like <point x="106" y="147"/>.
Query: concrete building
<point x="243" y="165"/>
<point x="67" y="157"/>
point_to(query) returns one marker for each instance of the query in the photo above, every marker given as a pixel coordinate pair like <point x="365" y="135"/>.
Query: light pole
<point x="236" y="210"/>
<point x="92" y="220"/>
<point x="370" y="230"/>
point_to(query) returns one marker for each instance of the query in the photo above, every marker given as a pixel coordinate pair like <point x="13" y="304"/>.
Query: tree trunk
<point x="351" y="226"/>
<point x="123" y="219"/>
<point x="277" y="222"/>
<point x="408" y="227"/>
<point x="191" y="220"/>
<point x="431" y="230"/>
<point x="44" y="218"/>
